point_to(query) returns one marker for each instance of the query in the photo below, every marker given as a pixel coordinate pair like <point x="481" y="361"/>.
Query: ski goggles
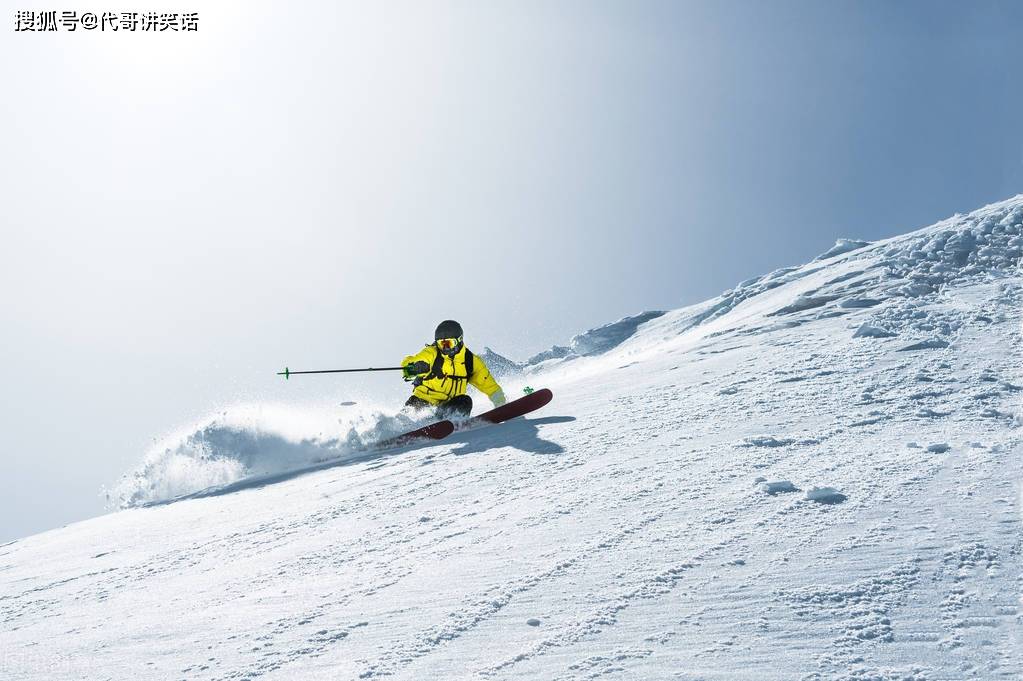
<point x="448" y="343"/>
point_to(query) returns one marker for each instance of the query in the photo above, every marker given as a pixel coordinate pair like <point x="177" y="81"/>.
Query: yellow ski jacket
<point x="448" y="377"/>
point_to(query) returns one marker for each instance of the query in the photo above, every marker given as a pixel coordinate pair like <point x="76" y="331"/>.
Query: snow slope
<point x="815" y="475"/>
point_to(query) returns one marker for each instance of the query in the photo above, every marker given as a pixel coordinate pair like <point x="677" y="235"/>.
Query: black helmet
<point x="448" y="328"/>
<point x="448" y="337"/>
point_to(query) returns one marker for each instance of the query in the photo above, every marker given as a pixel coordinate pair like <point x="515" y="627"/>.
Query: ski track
<point x="623" y="531"/>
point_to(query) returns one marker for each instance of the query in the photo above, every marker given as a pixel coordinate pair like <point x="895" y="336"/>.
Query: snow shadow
<point x="522" y="434"/>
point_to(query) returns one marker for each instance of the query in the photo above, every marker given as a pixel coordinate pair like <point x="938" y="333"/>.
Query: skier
<point x="443" y="370"/>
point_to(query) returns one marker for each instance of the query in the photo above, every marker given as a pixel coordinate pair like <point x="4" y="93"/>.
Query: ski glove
<point x="414" y="369"/>
<point x="498" y="398"/>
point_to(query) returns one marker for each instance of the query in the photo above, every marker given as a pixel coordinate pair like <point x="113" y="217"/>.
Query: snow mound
<point x="596" y="341"/>
<point x="554" y="352"/>
<point x="929" y="344"/>
<point x="841" y="247"/>
<point x="825" y="495"/>
<point x="250" y="441"/>
<point x="767" y="441"/>
<point x="778" y="487"/>
<point x="868" y="331"/>
<point x="499" y="365"/>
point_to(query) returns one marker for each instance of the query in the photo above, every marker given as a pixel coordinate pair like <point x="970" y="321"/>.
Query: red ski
<point x="510" y="410"/>
<point x="441" y="429"/>
<point x="434" y="431"/>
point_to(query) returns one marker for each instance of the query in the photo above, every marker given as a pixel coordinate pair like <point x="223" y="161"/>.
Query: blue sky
<point x="318" y="184"/>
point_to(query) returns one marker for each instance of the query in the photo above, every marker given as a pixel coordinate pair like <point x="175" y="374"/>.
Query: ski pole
<point x="288" y="372"/>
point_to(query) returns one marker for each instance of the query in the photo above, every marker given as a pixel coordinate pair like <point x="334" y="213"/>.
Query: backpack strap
<point x="468" y="363"/>
<point x="437" y="370"/>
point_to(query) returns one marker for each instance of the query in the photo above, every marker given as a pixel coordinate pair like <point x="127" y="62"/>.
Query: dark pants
<point x="457" y="406"/>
